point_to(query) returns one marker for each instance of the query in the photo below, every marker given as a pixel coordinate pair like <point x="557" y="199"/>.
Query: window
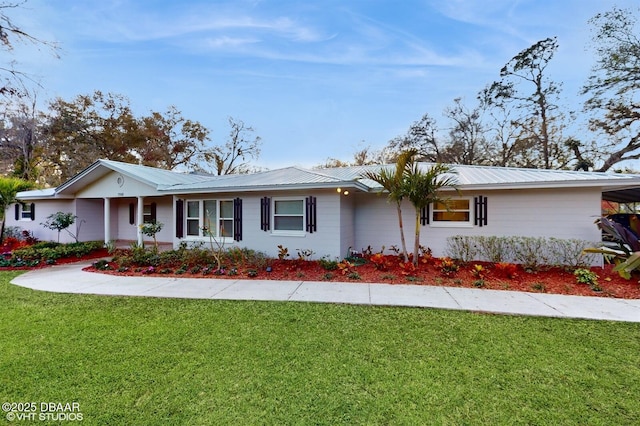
<point x="193" y="218"/>
<point x="454" y="212"/>
<point x="211" y="218"/>
<point x="225" y="224"/>
<point x="148" y="213"/>
<point x="26" y="212"/>
<point x="288" y="215"/>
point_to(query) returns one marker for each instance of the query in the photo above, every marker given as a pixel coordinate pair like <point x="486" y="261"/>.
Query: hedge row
<point x="531" y="252"/>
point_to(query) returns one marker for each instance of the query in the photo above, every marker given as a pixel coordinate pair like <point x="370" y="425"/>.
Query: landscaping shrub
<point x="51" y="251"/>
<point x="530" y="252"/>
<point x="328" y="264"/>
<point x="462" y="248"/>
<point x="569" y="253"/>
<point x="495" y="249"/>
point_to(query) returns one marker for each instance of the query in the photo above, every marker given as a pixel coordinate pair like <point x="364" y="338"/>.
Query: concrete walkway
<point x="71" y="279"/>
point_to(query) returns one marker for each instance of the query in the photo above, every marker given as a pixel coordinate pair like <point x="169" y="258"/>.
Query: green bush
<point x="495" y="249"/>
<point x="462" y="248"/>
<point x="53" y="251"/>
<point x="569" y="253"/>
<point x="530" y="252"/>
<point x="328" y="264"/>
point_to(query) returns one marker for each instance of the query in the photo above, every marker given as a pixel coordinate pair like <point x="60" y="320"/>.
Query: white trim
<point x="140" y="221"/>
<point x="288" y="232"/>
<point x="201" y="212"/>
<point x="21" y="217"/>
<point x="107" y="220"/>
<point x="453" y="224"/>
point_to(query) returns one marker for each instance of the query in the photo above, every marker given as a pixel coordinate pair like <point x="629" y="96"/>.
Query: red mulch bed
<point x="546" y="280"/>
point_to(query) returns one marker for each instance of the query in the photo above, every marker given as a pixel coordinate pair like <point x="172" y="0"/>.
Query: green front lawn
<point x="132" y="360"/>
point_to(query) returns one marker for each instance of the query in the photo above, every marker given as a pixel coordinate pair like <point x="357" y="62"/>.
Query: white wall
<point x="114" y="185"/>
<point x="43" y="208"/>
<point x="347" y="225"/>
<point x="565" y="214"/>
<point x="90" y="219"/>
<point x="324" y="242"/>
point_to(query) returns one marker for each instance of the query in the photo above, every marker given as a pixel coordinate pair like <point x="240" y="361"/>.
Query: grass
<point x="170" y="361"/>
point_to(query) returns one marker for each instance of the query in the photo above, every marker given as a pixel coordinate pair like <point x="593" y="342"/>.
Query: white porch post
<point x="107" y="220"/>
<point x="140" y="220"/>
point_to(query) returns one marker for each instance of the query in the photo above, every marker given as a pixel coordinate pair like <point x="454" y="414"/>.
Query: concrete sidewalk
<point x="71" y="279"/>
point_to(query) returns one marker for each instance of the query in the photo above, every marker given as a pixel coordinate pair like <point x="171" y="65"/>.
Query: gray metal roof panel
<point x="287" y="177"/>
<point x="152" y="175"/>
<point x="492" y="176"/>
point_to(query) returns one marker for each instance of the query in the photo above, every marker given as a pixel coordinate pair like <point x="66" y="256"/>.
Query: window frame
<point x="453" y="223"/>
<point x="147" y="217"/>
<point x="202" y="216"/>
<point x="25" y="209"/>
<point x="289" y="232"/>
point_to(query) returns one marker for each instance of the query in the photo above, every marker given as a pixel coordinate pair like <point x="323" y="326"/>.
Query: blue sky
<point x="316" y="79"/>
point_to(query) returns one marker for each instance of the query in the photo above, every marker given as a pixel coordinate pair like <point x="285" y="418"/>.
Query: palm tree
<point x="393" y="182"/>
<point x="9" y="188"/>
<point x="423" y="188"/>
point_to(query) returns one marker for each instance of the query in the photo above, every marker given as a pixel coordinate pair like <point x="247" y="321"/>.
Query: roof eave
<point x="261" y="188"/>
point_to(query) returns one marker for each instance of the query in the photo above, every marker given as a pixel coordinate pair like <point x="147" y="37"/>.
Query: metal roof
<point x="37" y="194"/>
<point x="152" y="176"/>
<point x="491" y="177"/>
<point x="286" y="178"/>
<point x="613" y="185"/>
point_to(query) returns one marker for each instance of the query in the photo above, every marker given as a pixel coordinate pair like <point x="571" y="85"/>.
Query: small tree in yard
<point x="150" y="229"/>
<point x="423" y="188"/>
<point x="60" y="221"/>
<point x="218" y="250"/>
<point x="392" y="180"/>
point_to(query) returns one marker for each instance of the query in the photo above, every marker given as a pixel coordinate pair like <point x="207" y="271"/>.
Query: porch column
<point x="107" y="221"/>
<point x="140" y="220"/>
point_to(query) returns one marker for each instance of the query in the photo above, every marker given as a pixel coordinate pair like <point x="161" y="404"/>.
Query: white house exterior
<point x="328" y="211"/>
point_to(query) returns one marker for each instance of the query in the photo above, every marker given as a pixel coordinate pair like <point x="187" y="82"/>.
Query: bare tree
<point x="468" y="143"/>
<point x="13" y="82"/>
<point x="540" y="123"/>
<point x="20" y="137"/>
<point x="233" y="157"/>
<point x="614" y="86"/>
<point x="422" y="136"/>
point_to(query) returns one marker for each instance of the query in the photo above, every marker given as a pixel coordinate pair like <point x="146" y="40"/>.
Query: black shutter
<point x="132" y="214"/>
<point x="154" y="210"/>
<point x="480" y="210"/>
<point x="311" y="213"/>
<point x="265" y="213"/>
<point x="33" y="211"/>
<point x="424" y="215"/>
<point x="237" y="219"/>
<point x="179" y="218"/>
<point x="17" y="211"/>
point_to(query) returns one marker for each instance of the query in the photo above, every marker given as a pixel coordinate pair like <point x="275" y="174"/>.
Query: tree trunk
<point x="416" y="242"/>
<point x="404" y="244"/>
